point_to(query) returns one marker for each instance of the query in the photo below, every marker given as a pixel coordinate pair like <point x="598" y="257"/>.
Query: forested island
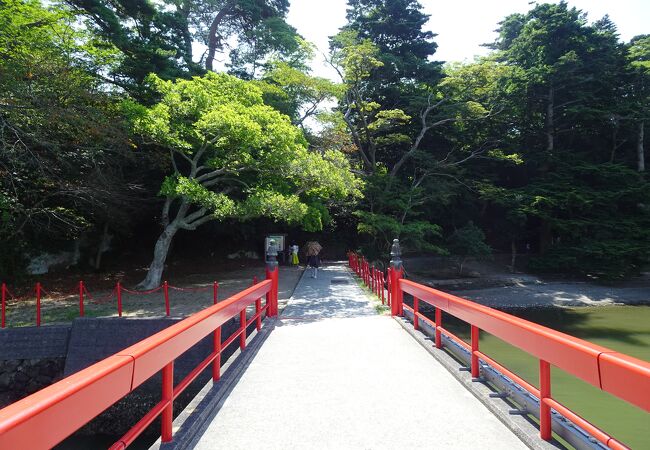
<point x="130" y="124"/>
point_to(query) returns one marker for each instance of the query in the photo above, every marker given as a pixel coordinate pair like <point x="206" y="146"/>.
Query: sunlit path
<point x="334" y="374"/>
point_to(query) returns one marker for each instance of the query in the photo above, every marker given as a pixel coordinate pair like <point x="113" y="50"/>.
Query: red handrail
<point x="45" y="418"/>
<point x="613" y="372"/>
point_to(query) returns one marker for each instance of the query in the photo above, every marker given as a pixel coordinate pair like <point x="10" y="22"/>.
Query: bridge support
<point x="395" y="274"/>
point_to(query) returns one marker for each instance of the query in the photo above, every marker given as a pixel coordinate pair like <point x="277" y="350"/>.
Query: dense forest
<point x="135" y="121"/>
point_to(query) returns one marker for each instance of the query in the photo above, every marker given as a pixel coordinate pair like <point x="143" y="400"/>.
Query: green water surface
<point x="625" y="329"/>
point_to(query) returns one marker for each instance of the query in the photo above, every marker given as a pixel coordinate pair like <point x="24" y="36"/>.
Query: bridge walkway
<point x="334" y="373"/>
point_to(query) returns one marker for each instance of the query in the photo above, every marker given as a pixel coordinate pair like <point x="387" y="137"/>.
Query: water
<point x="622" y="328"/>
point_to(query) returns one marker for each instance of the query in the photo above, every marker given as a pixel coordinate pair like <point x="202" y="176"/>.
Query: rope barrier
<point x="176" y="288"/>
<point x="99" y="300"/>
<point x="11" y="295"/>
<point x="150" y="291"/>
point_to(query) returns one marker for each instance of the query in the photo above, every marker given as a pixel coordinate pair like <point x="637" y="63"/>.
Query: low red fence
<point x="372" y="277"/>
<point x="45" y="418"/>
<point x="84" y="296"/>
<point x="621" y="375"/>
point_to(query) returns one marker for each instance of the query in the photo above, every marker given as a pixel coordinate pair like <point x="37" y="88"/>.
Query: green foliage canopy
<point x="233" y="156"/>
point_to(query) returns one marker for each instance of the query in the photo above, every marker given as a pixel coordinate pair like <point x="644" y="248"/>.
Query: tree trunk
<point x="513" y="257"/>
<point x="154" y="275"/>
<point x="102" y="247"/>
<point x="213" y="38"/>
<point x="545" y="237"/>
<point x="640" y="154"/>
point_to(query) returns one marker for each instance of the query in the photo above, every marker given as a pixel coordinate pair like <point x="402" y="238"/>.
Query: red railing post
<point x="38" y="304"/>
<point x="272" y="296"/>
<point x="438" y="325"/>
<point x="365" y="271"/>
<point x="383" y="292"/>
<point x="215" y="291"/>
<point x="216" y="364"/>
<point x="118" y="288"/>
<point x="242" y="323"/>
<point x="395" y="274"/>
<point x="166" y="292"/>
<point x="258" y="308"/>
<point x="4" y="304"/>
<point x="474" y="359"/>
<point x="377" y="282"/>
<point x="545" y="431"/>
<point x="416" y="309"/>
<point x="81" y="298"/>
<point x="168" y="397"/>
<point x="388" y="285"/>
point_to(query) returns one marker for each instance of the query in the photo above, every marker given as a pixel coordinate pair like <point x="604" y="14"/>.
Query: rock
<point x="5" y="380"/>
<point x="9" y="365"/>
<point x="21" y="377"/>
<point x="243" y="255"/>
<point x="42" y="263"/>
<point x="43" y="380"/>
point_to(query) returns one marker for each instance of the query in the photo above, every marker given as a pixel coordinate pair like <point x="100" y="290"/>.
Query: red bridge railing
<point x="48" y="416"/>
<point x="621" y="375"/>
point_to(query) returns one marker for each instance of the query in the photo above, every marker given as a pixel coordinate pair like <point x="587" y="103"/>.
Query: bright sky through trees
<point x="462" y="25"/>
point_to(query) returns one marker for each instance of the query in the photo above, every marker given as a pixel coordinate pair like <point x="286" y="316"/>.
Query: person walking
<point x="313" y="249"/>
<point x="294" y="255"/>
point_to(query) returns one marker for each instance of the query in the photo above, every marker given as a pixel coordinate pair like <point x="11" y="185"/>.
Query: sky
<point x="461" y="25"/>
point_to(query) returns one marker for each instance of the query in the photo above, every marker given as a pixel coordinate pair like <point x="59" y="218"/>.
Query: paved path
<point x="334" y="374"/>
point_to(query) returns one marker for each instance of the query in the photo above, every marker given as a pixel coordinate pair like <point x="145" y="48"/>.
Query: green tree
<point x="160" y="37"/>
<point x="404" y="157"/>
<point x="289" y="86"/>
<point x="151" y="38"/>
<point x="573" y="74"/>
<point x="468" y="242"/>
<point x="64" y="150"/>
<point x="638" y="55"/>
<point x="600" y="222"/>
<point x="405" y="49"/>
<point x="232" y="156"/>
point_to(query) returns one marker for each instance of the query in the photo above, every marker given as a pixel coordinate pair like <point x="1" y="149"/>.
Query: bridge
<point x="328" y="371"/>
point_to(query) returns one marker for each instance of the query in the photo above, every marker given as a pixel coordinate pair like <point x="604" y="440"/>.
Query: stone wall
<point x="31" y="358"/>
<point x="21" y="377"/>
<point x="34" y="357"/>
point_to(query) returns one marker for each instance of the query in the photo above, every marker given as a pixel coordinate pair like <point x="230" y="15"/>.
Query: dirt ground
<point x="188" y="293"/>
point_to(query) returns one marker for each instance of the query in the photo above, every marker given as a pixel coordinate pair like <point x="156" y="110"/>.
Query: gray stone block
<point x="34" y="342"/>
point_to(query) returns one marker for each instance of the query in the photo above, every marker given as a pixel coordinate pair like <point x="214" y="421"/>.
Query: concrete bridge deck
<point x="333" y="373"/>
